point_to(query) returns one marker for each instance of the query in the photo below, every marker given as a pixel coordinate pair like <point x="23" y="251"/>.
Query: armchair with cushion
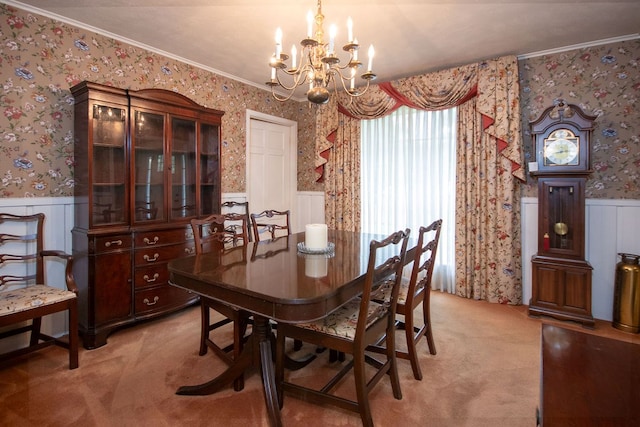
<point x="26" y="294"/>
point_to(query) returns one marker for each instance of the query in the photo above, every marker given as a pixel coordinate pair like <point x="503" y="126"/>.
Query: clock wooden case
<point x="561" y="282"/>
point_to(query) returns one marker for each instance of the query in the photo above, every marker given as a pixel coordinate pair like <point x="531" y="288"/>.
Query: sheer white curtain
<point x="408" y="168"/>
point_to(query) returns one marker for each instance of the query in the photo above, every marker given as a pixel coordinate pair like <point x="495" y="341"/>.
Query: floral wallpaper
<point x="604" y="81"/>
<point x="41" y="58"/>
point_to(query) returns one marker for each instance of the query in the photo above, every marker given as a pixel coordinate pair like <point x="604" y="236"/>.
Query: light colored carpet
<point x="486" y="373"/>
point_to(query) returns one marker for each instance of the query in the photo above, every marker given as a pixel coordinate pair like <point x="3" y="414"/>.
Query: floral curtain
<point x="341" y="175"/>
<point x="489" y="167"/>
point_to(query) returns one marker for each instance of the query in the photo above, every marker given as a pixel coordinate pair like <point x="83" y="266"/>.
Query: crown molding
<point x="580" y="46"/>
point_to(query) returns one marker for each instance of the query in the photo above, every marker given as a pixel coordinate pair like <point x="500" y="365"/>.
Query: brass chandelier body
<point x="319" y="65"/>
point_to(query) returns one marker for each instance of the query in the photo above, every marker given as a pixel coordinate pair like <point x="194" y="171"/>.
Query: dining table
<point x="274" y="280"/>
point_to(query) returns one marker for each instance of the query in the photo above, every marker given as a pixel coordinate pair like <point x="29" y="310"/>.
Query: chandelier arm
<point x="348" y="64"/>
<point x="296" y="80"/>
<point x="357" y="91"/>
<point x="338" y="71"/>
<point x="283" y="98"/>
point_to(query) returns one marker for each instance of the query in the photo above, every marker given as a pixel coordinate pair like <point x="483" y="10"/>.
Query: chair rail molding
<point x="611" y="227"/>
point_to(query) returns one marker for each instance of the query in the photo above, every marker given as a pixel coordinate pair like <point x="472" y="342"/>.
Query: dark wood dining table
<point x="273" y="280"/>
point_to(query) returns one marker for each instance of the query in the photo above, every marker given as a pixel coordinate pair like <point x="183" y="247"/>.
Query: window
<point x="409" y="157"/>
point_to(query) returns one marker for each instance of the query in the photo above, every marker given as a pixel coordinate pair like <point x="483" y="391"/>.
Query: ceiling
<point x="235" y="38"/>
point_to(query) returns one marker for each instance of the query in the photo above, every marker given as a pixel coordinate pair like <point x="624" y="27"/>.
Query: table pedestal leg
<point x="239" y="366"/>
<point x="263" y="329"/>
<point x="256" y="353"/>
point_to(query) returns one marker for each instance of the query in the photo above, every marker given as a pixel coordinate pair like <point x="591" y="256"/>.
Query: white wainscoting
<point x="310" y="210"/>
<point x="59" y="222"/>
<point x="612" y="227"/>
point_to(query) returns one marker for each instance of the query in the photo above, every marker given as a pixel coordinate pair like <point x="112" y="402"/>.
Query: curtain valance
<point x="493" y="82"/>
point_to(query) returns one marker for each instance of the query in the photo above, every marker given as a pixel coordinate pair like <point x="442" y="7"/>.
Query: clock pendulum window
<point x="560" y="226"/>
<point x="561" y="282"/>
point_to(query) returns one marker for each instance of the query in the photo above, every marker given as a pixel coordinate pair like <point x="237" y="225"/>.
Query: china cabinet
<point x="147" y="162"/>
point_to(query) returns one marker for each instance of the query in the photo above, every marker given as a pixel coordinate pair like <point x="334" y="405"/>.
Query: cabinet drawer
<point x="151" y="276"/>
<point x="160" y="298"/>
<point x="113" y="243"/>
<point x="162" y="237"/>
<point x="161" y="254"/>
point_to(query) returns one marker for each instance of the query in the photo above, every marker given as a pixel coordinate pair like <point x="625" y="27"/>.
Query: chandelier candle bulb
<point x="309" y="24"/>
<point x="333" y="30"/>
<point x="350" y="29"/>
<point x="371" y="53"/>
<point x="315" y="236"/>
<point x="278" y="42"/>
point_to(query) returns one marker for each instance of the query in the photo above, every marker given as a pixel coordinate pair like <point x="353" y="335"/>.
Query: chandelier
<point x="319" y="65"/>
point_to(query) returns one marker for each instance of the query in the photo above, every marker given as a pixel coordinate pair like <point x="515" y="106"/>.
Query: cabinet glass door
<point x="108" y="192"/>
<point x="149" y="161"/>
<point x="209" y="169"/>
<point x="183" y="168"/>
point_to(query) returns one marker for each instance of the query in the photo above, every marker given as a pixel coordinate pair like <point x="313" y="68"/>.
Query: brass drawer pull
<point x="149" y="259"/>
<point x="115" y="242"/>
<point x="155" y="300"/>
<point x="150" y="280"/>
<point x="149" y="242"/>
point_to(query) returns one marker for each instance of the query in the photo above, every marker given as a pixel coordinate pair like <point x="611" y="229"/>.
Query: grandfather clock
<point x="561" y="285"/>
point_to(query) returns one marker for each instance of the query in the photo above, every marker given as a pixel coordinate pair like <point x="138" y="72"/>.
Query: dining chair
<point x="239" y="208"/>
<point x="213" y="233"/>
<point x="273" y="224"/>
<point x="270" y="223"/>
<point x="351" y="329"/>
<point x="416" y="291"/>
<point x="26" y="294"/>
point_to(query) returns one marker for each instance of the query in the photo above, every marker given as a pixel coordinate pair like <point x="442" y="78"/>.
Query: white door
<point x="271" y="163"/>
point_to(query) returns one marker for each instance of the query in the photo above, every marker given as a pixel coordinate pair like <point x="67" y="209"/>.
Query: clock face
<point x="561" y="148"/>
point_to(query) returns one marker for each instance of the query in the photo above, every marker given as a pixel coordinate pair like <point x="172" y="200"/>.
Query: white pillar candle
<point x="315" y="236"/>
<point x="315" y="265"/>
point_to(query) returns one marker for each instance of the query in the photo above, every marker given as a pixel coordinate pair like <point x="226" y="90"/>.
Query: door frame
<point x="293" y="153"/>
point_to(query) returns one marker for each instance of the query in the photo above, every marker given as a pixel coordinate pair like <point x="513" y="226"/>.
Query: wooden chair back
<point x="26" y="247"/>
<point x="270" y="224"/>
<point x="381" y="275"/>
<point x="423" y="264"/>
<point x="241" y="208"/>
<point x="217" y="230"/>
